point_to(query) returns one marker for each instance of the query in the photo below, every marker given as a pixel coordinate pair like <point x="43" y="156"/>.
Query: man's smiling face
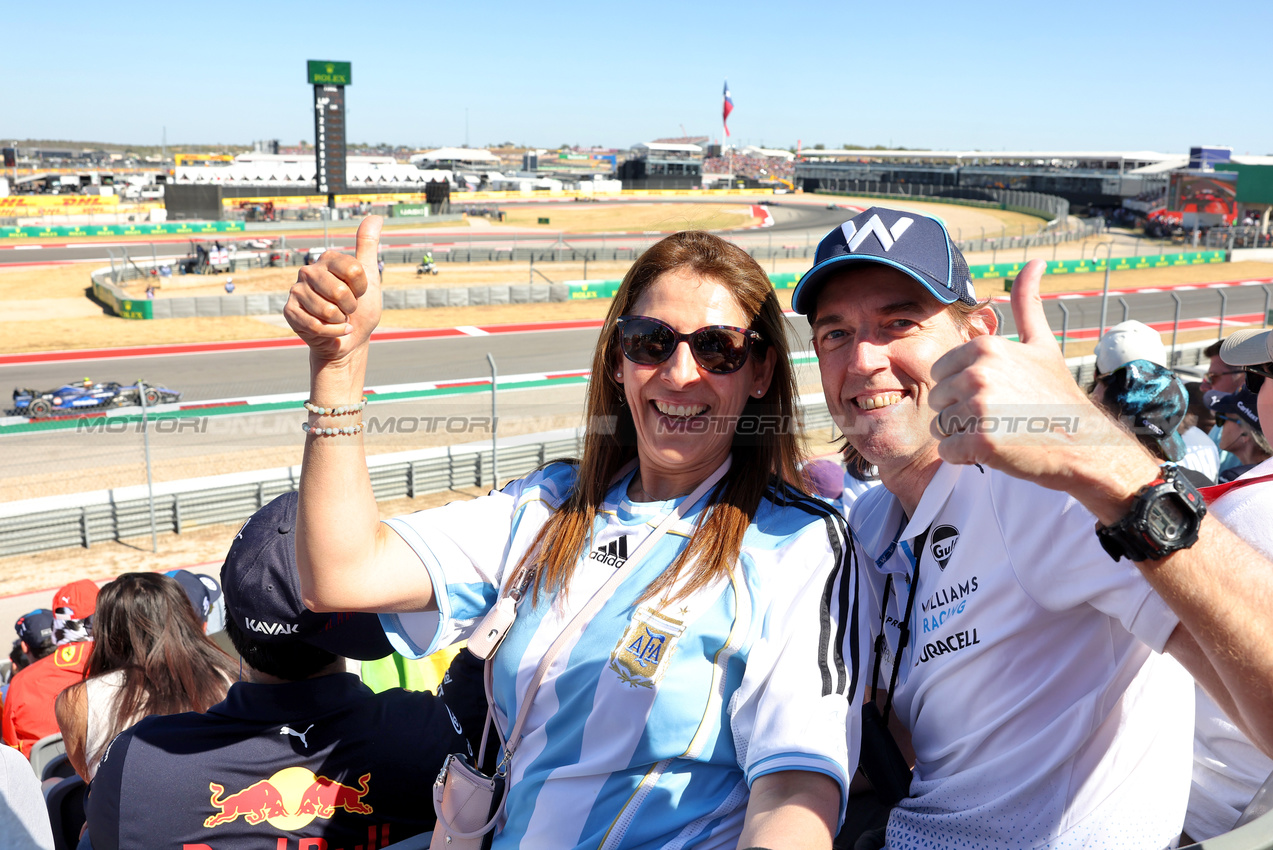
<point x="877" y="333"/>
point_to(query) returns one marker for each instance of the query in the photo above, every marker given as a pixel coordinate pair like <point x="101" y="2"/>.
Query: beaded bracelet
<point x="347" y="431"/>
<point x="335" y="411"/>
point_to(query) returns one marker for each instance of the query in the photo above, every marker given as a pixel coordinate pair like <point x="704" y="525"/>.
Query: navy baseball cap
<point x="914" y="244"/>
<point x="263" y="591"/>
<point x="1243" y="405"/>
<point x="202" y="590"/>
<point x="35" y="629"/>
<point x="1151" y="401"/>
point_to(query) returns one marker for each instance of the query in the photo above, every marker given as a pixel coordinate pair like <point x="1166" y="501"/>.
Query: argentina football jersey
<point x="675" y="703"/>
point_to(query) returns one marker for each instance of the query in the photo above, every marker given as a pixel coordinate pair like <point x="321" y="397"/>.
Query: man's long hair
<point x="765" y="444"/>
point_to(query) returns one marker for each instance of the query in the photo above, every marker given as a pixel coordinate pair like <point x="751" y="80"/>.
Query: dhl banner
<point x="31" y="205"/>
<point x="300" y="202"/>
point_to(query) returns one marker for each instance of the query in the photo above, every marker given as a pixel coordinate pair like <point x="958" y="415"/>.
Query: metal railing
<point x="187" y="505"/>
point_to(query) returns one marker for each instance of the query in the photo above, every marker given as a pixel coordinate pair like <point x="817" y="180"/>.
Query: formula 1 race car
<point x="86" y="396"/>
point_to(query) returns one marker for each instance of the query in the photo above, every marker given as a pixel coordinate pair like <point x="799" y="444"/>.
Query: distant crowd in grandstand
<point x="755" y="167"/>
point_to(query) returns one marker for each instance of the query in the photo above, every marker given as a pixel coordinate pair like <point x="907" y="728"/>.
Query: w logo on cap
<point x="888" y="236"/>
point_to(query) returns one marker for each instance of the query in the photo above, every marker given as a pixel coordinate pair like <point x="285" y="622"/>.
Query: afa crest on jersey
<point x="641" y="656"/>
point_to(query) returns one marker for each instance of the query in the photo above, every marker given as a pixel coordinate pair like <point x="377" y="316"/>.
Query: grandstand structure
<point x="663" y="165"/>
<point x="1085" y="178"/>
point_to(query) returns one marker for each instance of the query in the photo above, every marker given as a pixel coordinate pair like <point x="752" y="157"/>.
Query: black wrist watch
<point x="1165" y="516"/>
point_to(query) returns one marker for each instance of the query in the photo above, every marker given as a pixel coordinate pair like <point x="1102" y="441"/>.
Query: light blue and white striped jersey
<point x="649" y="728"/>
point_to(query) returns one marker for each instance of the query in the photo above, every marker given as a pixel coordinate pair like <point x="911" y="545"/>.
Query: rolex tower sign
<point x="329" y="80"/>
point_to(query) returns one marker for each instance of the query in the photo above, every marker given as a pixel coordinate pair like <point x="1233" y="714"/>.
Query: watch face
<point x="1167" y="520"/>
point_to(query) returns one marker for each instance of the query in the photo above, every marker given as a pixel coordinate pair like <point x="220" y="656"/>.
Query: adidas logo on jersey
<point x="614" y="553"/>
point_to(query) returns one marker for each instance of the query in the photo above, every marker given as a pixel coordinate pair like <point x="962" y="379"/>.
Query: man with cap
<point x="1238" y="416"/>
<point x="1224" y="378"/>
<point x="300" y="749"/>
<point x="1024" y="649"/>
<point x="205" y="597"/>
<point x="1150" y="402"/>
<point x="28" y="706"/>
<point x="1147" y="397"/>
<point x="35" y="637"/>
<point x="1228" y="768"/>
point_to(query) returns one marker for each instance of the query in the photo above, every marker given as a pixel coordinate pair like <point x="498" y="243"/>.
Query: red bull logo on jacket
<point x="288" y="800"/>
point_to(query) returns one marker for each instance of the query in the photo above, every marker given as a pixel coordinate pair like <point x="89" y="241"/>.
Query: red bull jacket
<point x="280" y="766"/>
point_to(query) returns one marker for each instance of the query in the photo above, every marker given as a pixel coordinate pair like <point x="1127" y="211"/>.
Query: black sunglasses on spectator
<point x="1255" y="376"/>
<point x="720" y="349"/>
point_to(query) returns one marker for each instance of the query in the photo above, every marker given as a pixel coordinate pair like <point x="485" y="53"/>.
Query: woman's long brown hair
<point x="145" y="625"/>
<point x="765" y="445"/>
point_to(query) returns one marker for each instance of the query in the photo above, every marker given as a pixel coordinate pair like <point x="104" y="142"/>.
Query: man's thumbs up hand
<point x="1015" y="406"/>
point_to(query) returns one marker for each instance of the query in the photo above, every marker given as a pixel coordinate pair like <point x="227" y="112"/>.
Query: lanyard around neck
<point x="903" y="627"/>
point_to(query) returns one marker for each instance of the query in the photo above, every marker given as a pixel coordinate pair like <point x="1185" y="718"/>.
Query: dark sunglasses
<point x="1212" y="377"/>
<point x="719" y="349"/>
<point x="1255" y="376"/>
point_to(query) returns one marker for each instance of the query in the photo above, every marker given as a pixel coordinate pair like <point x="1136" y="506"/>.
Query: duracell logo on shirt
<point x="614" y="553"/>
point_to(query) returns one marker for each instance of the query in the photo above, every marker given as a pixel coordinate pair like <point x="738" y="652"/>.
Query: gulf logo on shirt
<point x="288" y="800"/>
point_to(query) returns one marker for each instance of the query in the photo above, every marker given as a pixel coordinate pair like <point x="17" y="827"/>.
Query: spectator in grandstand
<point x="691" y="362"/>
<point x="34" y="641"/>
<point x="1228" y="769"/>
<point x="1200" y="453"/>
<point x="1240" y="431"/>
<point x="205" y="596"/>
<point x="299" y="751"/>
<point x="1223" y="378"/>
<point x="1038" y="709"/>
<point x="24" y="820"/>
<point x="150" y="656"/>
<point x="28" y="707"/>
<point x="1150" y="402"/>
<point x="1148" y="397"/>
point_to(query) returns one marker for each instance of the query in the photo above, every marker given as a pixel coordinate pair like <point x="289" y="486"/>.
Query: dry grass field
<point x="614" y="217"/>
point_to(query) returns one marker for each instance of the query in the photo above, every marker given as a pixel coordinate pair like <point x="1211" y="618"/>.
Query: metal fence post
<point x="1065" y="324"/>
<point x="150" y="487"/>
<point x="1175" y="326"/>
<point x="85" y="539"/>
<point x="494" y="424"/>
<point x="1125" y="309"/>
<point x="1224" y="308"/>
<point x="1264" y="323"/>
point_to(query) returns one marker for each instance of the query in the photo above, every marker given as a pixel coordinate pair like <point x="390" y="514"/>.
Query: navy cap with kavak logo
<point x="914" y="244"/>
<point x="263" y="592"/>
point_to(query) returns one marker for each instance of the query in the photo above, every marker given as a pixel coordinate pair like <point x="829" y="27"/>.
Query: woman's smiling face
<point x="685" y="416"/>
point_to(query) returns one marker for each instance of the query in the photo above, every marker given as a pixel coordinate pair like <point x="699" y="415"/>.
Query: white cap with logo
<point x="1128" y="341"/>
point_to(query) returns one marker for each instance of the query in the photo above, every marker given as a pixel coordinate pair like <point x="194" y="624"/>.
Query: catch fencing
<point x="88" y="518"/>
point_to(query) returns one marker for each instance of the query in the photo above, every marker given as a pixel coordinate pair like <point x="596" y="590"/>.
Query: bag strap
<point x="598" y="599"/>
<point x="1215" y="491"/>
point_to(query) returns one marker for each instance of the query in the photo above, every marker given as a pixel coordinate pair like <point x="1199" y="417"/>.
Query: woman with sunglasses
<point x="701" y="700"/>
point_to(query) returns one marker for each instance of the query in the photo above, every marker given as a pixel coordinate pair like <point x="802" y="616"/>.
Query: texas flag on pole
<point x="728" y="108"/>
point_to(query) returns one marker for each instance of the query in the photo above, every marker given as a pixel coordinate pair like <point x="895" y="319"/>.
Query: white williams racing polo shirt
<point x="1040" y="713"/>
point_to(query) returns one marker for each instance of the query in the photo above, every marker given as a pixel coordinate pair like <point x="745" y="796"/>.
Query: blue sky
<point x="1079" y="75"/>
